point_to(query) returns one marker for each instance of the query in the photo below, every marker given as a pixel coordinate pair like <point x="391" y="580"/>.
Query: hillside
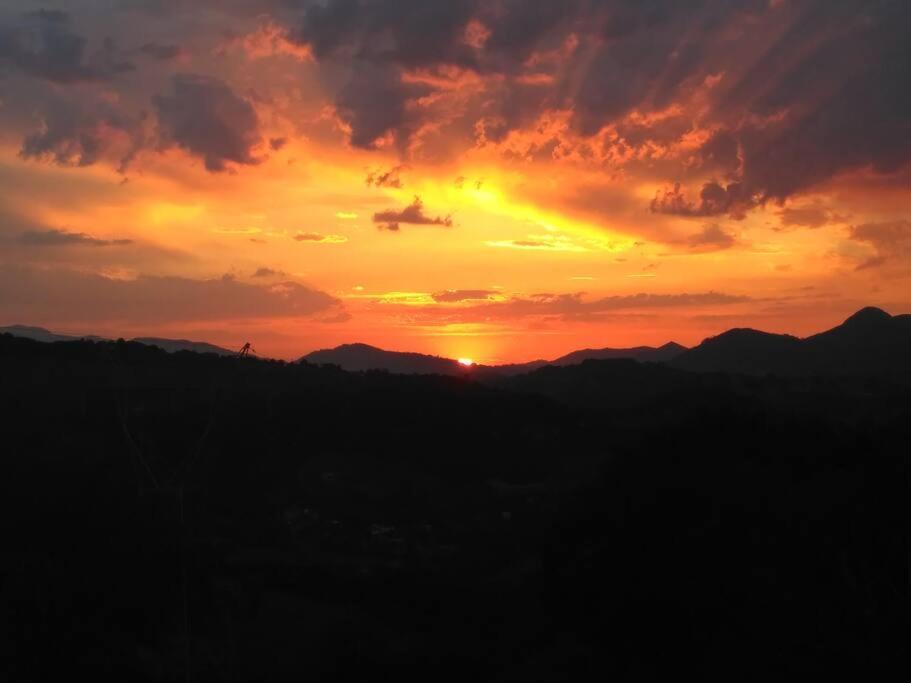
<point x="870" y="342"/>
<point x="170" y="345"/>
<point x="360" y="357"/>
<point x="244" y="519"/>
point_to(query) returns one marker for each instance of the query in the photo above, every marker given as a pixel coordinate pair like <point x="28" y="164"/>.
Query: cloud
<point x="161" y="52"/>
<point x="78" y="128"/>
<point x="891" y="240"/>
<point x="204" y="116"/>
<point x="61" y="295"/>
<point x="270" y="39"/>
<point x="547" y="242"/>
<point x="576" y="306"/>
<point x="63" y="238"/>
<point x="792" y="94"/>
<point x="812" y="216"/>
<point x="714" y="200"/>
<point x="390" y="178"/>
<point x="406" y="32"/>
<point x="267" y="272"/>
<point x="411" y="215"/>
<point x="373" y="104"/>
<point x="460" y="295"/>
<point x="744" y="102"/>
<point x="319" y="238"/>
<point x="711" y="238"/>
<point x="42" y="44"/>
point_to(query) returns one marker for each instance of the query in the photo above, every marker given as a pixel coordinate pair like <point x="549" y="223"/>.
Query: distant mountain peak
<point x="175" y="345"/>
<point x="11" y="329"/>
<point x="748" y="333"/>
<point x="868" y="316"/>
<point x="40" y="334"/>
<point x="360" y="357"/>
<point x="355" y="346"/>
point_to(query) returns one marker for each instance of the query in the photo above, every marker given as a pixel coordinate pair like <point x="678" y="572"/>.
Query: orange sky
<point x="301" y="178"/>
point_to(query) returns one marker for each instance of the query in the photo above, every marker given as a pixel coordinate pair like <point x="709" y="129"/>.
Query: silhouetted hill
<point x="870" y="342"/>
<point x="212" y="518"/>
<point x="740" y="350"/>
<point x="170" y="345"/>
<point x="645" y="354"/>
<point x="42" y="335"/>
<point x="175" y="345"/>
<point x="361" y="357"/>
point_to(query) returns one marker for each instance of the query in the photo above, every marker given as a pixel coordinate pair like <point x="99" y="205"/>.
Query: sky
<point x="502" y="180"/>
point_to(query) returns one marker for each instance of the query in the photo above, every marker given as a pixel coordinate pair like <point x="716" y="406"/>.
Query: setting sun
<point x="467" y="362"/>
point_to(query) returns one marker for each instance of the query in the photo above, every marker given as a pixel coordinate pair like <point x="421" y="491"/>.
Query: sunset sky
<point x="502" y="180"/>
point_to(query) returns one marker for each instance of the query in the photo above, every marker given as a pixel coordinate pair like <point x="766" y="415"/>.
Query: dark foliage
<point x="193" y="517"/>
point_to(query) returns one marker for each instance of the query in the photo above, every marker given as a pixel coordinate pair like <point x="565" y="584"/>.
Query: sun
<point x="467" y="362"/>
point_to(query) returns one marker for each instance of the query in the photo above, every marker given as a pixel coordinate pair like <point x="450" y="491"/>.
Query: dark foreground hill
<point x="192" y="517"/>
<point x="870" y="342"/>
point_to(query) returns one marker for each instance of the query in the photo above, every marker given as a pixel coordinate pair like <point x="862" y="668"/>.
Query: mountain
<point x="170" y="345"/>
<point x="42" y="335"/>
<point x="644" y="354"/>
<point x="358" y="357"/>
<point x="741" y="350"/>
<point x="714" y="519"/>
<point x="870" y="342"/>
<point x="175" y="345"/>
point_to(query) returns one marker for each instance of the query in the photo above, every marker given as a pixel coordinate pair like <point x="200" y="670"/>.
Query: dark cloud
<point x="714" y="200"/>
<point x="373" y="103"/>
<point x="61" y="295"/>
<point x="784" y="95"/>
<point x="160" y="52"/>
<point x="320" y="238"/>
<point x="891" y="240"/>
<point x="78" y="134"/>
<point x="267" y="272"/>
<point x="711" y="238"/>
<point x="721" y="153"/>
<point x="805" y="217"/>
<point x="800" y="92"/>
<point x="63" y="238"/>
<point x="43" y="44"/>
<point x="459" y="295"/>
<point x="276" y="144"/>
<point x="389" y="178"/>
<point x="411" y="215"/>
<point x="837" y="102"/>
<point x="204" y="116"/>
<point x="407" y="32"/>
<point x="872" y="262"/>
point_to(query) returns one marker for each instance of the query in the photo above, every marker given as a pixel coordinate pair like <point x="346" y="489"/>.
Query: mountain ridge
<point x="357" y="357"/>
<point x="41" y="334"/>
<point x="870" y="341"/>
